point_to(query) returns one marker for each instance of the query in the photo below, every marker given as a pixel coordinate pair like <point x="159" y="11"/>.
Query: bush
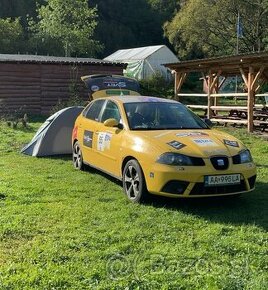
<point x="157" y="86"/>
<point x="14" y="117"/>
<point x="74" y="100"/>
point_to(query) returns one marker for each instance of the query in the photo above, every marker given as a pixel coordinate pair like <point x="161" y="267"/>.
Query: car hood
<point x="199" y="143"/>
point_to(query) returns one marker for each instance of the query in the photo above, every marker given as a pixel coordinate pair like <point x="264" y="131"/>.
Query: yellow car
<point x="159" y="146"/>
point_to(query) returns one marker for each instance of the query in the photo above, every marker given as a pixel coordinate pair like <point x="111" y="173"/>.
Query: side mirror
<point x="208" y="122"/>
<point x="111" y="123"/>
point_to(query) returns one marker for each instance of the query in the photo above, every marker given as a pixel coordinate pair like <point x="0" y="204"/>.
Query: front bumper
<point x="189" y="181"/>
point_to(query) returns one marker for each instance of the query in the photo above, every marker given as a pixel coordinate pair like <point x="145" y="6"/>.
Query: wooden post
<point x="215" y="86"/>
<point x="176" y="97"/>
<point x="179" y="80"/>
<point x="209" y="113"/>
<point x="251" y="93"/>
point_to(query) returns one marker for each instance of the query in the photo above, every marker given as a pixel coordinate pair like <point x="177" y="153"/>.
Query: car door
<point x="109" y="140"/>
<point x="88" y="127"/>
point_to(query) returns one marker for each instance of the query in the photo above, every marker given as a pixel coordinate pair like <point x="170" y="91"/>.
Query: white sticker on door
<point x="104" y="141"/>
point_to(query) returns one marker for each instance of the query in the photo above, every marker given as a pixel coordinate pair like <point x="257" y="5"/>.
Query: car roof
<point x="140" y="99"/>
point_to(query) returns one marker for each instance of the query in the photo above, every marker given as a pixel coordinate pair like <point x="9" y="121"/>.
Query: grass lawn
<point x="65" y="229"/>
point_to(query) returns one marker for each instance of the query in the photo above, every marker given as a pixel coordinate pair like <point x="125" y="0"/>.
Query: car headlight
<point x="242" y="157"/>
<point x="245" y="156"/>
<point x="174" y="159"/>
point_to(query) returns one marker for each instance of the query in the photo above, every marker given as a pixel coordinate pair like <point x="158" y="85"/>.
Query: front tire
<point x="134" y="182"/>
<point x="78" y="157"/>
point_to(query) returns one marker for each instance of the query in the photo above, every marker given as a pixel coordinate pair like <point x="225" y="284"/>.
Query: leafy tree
<point x="65" y="27"/>
<point x="11" y="35"/>
<point x="208" y="27"/>
<point x="18" y="8"/>
<point x="165" y="9"/>
<point x="132" y="23"/>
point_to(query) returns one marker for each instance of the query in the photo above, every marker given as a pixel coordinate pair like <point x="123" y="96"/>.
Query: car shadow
<point x="246" y="209"/>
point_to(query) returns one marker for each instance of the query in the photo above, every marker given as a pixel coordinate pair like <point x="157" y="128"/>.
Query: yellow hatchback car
<point x="159" y="146"/>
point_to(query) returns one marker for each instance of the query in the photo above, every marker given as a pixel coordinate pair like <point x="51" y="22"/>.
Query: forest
<point x="97" y="28"/>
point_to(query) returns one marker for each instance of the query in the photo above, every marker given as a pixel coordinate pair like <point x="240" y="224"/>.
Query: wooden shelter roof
<point x="25" y="58"/>
<point x="228" y="65"/>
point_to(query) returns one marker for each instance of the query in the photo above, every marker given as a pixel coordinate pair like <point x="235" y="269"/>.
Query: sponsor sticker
<point x="175" y="144"/>
<point x="205" y="142"/>
<point x="230" y="143"/>
<point x="88" y="138"/>
<point x="191" y="134"/>
<point x="94" y="88"/>
<point x="104" y="141"/>
<point x="115" y="84"/>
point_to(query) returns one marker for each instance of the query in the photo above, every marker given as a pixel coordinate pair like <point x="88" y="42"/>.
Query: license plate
<point x="214" y="180"/>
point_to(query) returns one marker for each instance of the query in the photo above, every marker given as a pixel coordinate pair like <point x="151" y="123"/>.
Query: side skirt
<point x="106" y="172"/>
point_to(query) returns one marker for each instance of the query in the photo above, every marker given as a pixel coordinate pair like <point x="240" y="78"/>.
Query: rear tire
<point x="134" y="184"/>
<point x="78" y="157"/>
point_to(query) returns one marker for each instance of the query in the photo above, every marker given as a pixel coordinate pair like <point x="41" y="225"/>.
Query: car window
<point x="161" y="116"/>
<point x="111" y="111"/>
<point x="94" y="109"/>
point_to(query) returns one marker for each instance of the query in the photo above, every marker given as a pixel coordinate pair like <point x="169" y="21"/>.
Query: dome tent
<point x="144" y="62"/>
<point x="55" y="134"/>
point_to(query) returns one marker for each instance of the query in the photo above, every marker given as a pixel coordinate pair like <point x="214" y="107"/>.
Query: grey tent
<point x="54" y="136"/>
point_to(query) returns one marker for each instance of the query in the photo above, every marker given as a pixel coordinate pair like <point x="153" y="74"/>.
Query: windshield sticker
<point x="175" y="144"/>
<point x="104" y="141"/>
<point x="152" y="100"/>
<point x="191" y="134"/>
<point x="88" y="138"/>
<point x="205" y="142"/>
<point x="230" y="143"/>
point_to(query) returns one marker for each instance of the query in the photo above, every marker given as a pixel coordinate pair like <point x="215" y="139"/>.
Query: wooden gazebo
<point x="252" y="67"/>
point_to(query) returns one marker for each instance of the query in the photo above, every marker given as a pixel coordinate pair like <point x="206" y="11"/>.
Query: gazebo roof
<point x="228" y="65"/>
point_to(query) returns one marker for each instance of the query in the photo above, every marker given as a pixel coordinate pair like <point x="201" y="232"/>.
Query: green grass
<point x="65" y="229"/>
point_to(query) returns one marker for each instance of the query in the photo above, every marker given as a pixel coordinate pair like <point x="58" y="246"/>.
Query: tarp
<point x="144" y="62"/>
<point x="55" y="135"/>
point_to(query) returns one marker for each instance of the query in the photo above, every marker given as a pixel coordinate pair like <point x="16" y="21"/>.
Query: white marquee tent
<point x="144" y="62"/>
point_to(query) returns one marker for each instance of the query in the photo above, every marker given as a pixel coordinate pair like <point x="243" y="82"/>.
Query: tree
<point x="66" y="27"/>
<point x="18" y="8"/>
<point x="132" y="23"/>
<point x="165" y="9"/>
<point x="208" y="27"/>
<point x="11" y="35"/>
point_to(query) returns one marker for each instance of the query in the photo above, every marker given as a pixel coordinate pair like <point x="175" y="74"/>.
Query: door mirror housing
<point x="111" y="123"/>
<point x="208" y="122"/>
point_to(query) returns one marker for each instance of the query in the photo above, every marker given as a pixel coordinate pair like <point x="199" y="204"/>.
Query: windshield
<point x="161" y="116"/>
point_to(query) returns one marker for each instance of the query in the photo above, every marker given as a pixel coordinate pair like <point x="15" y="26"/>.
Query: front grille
<point x="220" y="162"/>
<point x="251" y="181"/>
<point x="200" y="189"/>
<point x="175" y="187"/>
